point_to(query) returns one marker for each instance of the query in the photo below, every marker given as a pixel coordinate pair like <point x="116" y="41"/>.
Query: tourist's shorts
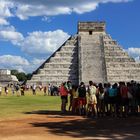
<point x="112" y="100"/>
<point x="138" y="101"/>
<point x="124" y="101"/>
<point x="82" y="101"/>
<point x="75" y="102"/>
<point x="64" y="98"/>
<point x="92" y="99"/>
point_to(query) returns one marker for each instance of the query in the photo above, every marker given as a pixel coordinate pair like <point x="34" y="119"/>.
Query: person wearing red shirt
<point x="64" y="97"/>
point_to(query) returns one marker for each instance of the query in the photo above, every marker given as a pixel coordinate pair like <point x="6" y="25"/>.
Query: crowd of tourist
<point x="20" y="89"/>
<point x="117" y="100"/>
<point x="96" y="100"/>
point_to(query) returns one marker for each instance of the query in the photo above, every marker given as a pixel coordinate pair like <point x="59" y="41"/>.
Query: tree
<point x="14" y="72"/>
<point x="28" y="76"/>
<point x="21" y="76"/>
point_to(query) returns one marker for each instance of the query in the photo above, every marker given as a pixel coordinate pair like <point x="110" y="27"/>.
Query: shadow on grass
<point x="90" y="129"/>
<point x="44" y="112"/>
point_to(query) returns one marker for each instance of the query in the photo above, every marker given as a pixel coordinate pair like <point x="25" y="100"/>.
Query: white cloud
<point x="13" y="62"/>
<point x="30" y="8"/>
<point x="10" y="34"/>
<point x="36" y="61"/>
<point x="135" y="53"/>
<point x="37" y="42"/>
<point x="137" y="59"/>
<point x="3" y="21"/>
<point x="5" y="8"/>
<point x="43" y="42"/>
<point x="46" y="19"/>
<point x="19" y="63"/>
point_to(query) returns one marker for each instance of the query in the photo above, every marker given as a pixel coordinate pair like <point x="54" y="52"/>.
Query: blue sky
<point x="31" y="30"/>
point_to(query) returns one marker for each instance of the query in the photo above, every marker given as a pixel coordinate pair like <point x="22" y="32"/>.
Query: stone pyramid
<point x="91" y="54"/>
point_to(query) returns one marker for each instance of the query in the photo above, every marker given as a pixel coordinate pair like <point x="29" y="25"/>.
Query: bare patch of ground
<point x="51" y="125"/>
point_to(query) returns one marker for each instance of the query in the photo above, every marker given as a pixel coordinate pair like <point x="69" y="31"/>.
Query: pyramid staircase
<point x="91" y="58"/>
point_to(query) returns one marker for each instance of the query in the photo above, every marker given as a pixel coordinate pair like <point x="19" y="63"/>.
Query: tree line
<point x="21" y="76"/>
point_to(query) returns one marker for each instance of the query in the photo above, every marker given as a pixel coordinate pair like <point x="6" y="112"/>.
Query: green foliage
<point x="29" y="75"/>
<point x="14" y="72"/>
<point x="21" y="76"/>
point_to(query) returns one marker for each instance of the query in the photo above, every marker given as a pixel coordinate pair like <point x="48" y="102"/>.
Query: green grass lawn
<point x="13" y="106"/>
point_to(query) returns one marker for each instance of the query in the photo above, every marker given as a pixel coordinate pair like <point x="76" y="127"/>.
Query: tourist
<point x="64" y="97"/>
<point x="13" y="89"/>
<point x="130" y="97"/>
<point x="101" y="105"/>
<point x="52" y="89"/>
<point x="92" y="99"/>
<point x="74" y="93"/>
<point x="34" y="89"/>
<point x="55" y="91"/>
<point x="22" y="89"/>
<point x="106" y="98"/>
<point x="49" y="89"/>
<point x="112" y="99"/>
<point x="45" y="90"/>
<point x="118" y="100"/>
<point x="82" y="98"/>
<point x="135" y="98"/>
<point x="6" y="90"/>
<point x="18" y="90"/>
<point x="69" y="87"/>
<point x="40" y="87"/>
<point x="138" y="96"/>
<point x="124" y="99"/>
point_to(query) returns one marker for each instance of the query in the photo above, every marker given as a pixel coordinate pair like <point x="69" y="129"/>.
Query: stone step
<point x="58" y="71"/>
<point x="124" y="68"/>
<point x="117" y="57"/>
<point x="90" y="49"/>
<point x="107" y="37"/>
<point x="70" y="48"/>
<point x="55" y="78"/>
<point x="119" y="60"/>
<point x="116" y="80"/>
<point x="64" y="59"/>
<point x="111" y="48"/>
<point x="96" y="44"/>
<point x="126" y="75"/>
<point x="116" y="54"/>
<point x="60" y="65"/>
<point x="124" y="64"/>
<point x="123" y="72"/>
<point x="71" y="42"/>
<point x="110" y="42"/>
<point x="65" y="53"/>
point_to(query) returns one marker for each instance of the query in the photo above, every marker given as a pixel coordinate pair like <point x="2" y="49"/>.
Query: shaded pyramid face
<point x="90" y="55"/>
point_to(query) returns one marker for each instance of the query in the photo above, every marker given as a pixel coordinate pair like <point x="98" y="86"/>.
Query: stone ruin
<point x="6" y="78"/>
<point x="91" y="54"/>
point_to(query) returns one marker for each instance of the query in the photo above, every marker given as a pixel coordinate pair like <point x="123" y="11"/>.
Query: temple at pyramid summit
<point x="91" y="54"/>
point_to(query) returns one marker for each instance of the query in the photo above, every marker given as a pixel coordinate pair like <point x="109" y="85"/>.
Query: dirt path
<point x="54" y="126"/>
